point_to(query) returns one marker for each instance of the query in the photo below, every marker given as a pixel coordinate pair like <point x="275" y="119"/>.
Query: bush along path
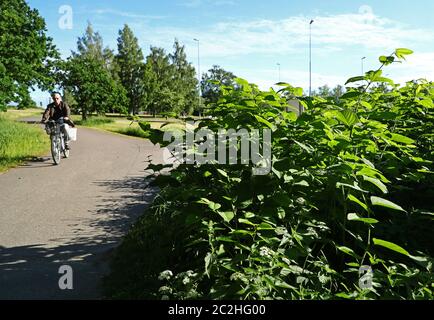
<point x="351" y="188"/>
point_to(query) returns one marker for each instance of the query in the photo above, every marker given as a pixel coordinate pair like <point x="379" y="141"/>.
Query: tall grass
<point x="20" y="142"/>
<point x="94" y="121"/>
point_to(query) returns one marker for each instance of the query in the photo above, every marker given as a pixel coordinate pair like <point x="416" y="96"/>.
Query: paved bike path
<point x="72" y="214"/>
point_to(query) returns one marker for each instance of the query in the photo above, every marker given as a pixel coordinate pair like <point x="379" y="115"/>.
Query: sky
<point x="261" y="41"/>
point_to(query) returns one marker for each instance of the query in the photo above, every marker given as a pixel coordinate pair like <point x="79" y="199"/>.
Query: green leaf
<point x="401" y="52"/>
<point x="212" y="205"/>
<point x="283" y="84"/>
<point x="207" y="174"/>
<point x="391" y="246"/>
<point x="291" y="116"/>
<point x="383" y="79"/>
<point x="386" y="60"/>
<point x="376" y="182"/>
<point x="302" y="183"/>
<point x="402" y="139"/>
<point x="245" y="221"/>
<point x="282" y="284"/>
<point x="266" y="122"/>
<point x="355" y="79"/>
<point x="244" y="84"/>
<point x="304" y="147"/>
<point x="355" y="186"/>
<point x="281" y="213"/>
<point x="427" y="103"/>
<point x="347" y="117"/>
<point x="249" y="215"/>
<point x="355" y="217"/>
<point x="298" y="92"/>
<point x="227" y="215"/>
<point x="377" y="201"/>
<point x="351" y="95"/>
<point x="360" y="203"/>
<point x="265" y="226"/>
<point x="348" y="251"/>
<point x="367" y="105"/>
<point x="222" y="172"/>
<point x="344" y="295"/>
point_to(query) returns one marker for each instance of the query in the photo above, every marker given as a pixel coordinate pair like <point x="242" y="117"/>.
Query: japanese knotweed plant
<point x="351" y="185"/>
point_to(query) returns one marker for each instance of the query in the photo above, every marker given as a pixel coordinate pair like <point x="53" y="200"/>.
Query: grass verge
<point x="20" y="142"/>
<point x="144" y="252"/>
<point x="124" y="126"/>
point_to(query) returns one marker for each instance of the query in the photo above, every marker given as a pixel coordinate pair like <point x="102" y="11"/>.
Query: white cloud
<point x="330" y="33"/>
<point x="126" y="14"/>
<point x="418" y="65"/>
<point x="191" y="3"/>
<point x="334" y="38"/>
<point x="268" y="78"/>
<point x="224" y="3"/>
<point x="198" y="3"/>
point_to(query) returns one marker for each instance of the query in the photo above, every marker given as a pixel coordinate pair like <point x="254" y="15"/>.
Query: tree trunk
<point x="84" y="114"/>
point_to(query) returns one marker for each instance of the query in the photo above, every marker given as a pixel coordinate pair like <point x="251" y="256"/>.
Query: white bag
<point x="72" y="133"/>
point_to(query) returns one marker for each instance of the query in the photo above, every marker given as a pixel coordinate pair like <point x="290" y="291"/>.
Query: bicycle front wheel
<point x="55" y="149"/>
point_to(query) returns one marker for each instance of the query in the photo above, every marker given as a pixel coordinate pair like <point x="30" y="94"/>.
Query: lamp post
<point x="198" y="70"/>
<point x="363" y="58"/>
<point x="310" y="57"/>
<point x="278" y="65"/>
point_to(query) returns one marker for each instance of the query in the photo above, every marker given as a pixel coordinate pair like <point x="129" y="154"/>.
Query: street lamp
<point x="278" y="65"/>
<point x="363" y="58"/>
<point x="198" y="70"/>
<point x="310" y="57"/>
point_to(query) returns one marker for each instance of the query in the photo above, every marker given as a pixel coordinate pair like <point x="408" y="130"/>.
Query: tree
<point x="130" y="62"/>
<point x="213" y="80"/>
<point x="68" y="97"/>
<point x="90" y="76"/>
<point x="27" y="54"/>
<point x="92" y="86"/>
<point x="323" y="91"/>
<point x="25" y="101"/>
<point x="338" y="91"/>
<point x="158" y="75"/>
<point x="184" y="82"/>
<point x="91" y="45"/>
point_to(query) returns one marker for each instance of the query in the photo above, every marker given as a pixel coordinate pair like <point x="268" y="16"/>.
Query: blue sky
<point x="250" y="37"/>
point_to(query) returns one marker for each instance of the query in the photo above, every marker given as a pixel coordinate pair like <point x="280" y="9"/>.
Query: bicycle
<point x="56" y="130"/>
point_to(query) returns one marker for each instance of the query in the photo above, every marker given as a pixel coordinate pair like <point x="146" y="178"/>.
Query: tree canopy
<point x="27" y="54"/>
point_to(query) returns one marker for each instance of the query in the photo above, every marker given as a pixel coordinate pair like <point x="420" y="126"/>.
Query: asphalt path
<point x="71" y="214"/>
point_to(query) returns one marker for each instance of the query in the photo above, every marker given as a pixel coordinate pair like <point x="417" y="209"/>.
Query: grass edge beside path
<point x="20" y="142"/>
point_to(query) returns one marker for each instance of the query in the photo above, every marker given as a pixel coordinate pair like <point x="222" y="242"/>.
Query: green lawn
<point x="124" y="126"/>
<point x="20" y="141"/>
<point x="14" y="114"/>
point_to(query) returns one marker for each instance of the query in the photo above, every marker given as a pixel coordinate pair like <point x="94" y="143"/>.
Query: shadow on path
<point x="32" y="271"/>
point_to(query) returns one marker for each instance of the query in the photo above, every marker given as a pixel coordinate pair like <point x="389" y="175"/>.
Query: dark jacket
<point x="54" y="112"/>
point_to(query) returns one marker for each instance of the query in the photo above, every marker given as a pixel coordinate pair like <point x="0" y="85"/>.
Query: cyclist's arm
<point x="68" y="115"/>
<point x="46" y="114"/>
<point x="67" y="110"/>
